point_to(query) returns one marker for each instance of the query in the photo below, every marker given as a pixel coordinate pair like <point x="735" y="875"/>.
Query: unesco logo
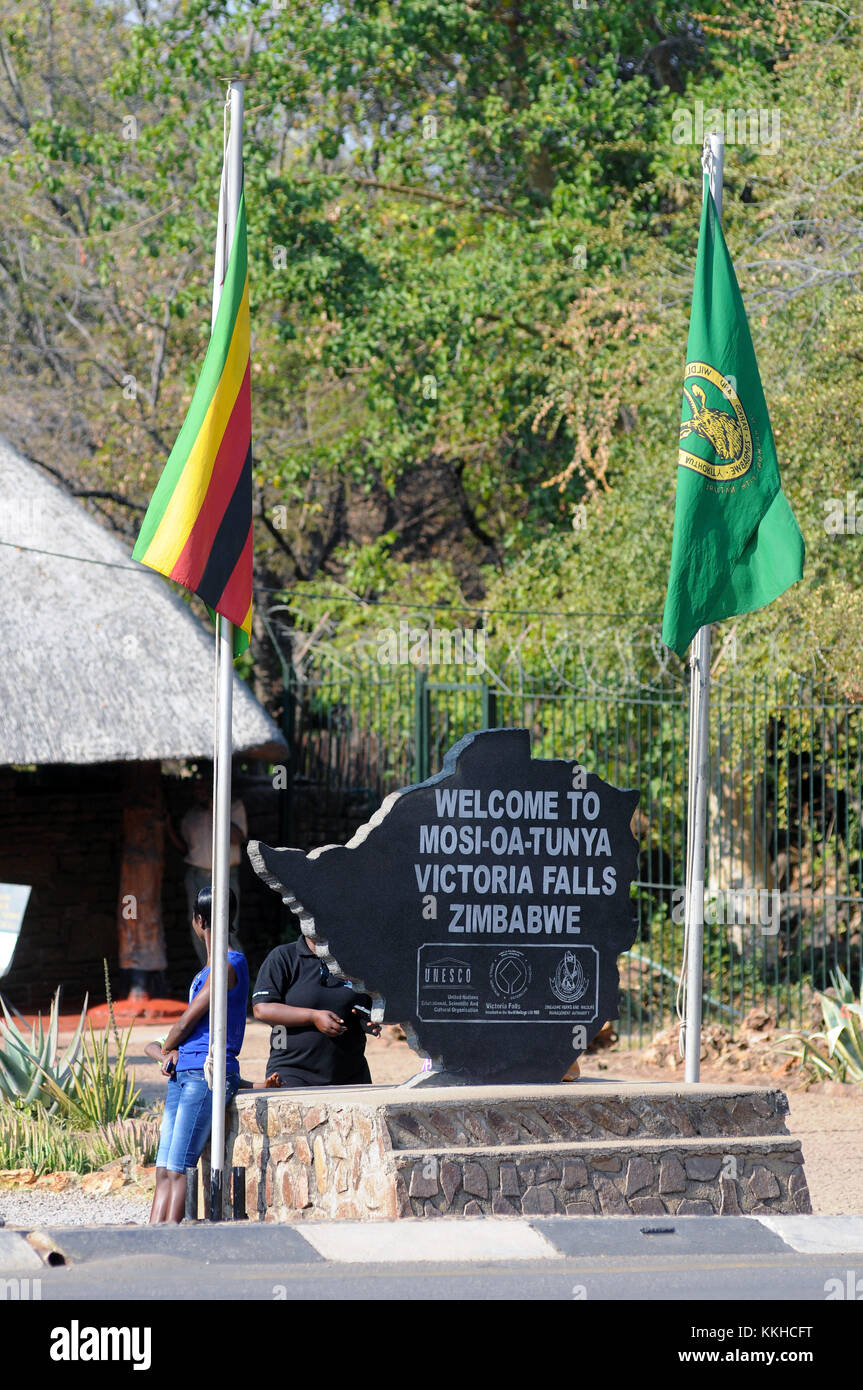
<point x="447" y="971"/>
<point x="509" y="976"/>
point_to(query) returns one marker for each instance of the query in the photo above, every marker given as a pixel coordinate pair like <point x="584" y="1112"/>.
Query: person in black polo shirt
<point x="318" y="1036"/>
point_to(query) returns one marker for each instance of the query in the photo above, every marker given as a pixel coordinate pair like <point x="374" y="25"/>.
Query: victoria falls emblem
<point x="510" y="974"/>
<point x="569" y="981"/>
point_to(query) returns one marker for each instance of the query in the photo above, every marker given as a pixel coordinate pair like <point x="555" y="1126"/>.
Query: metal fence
<point x="785" y="816"/>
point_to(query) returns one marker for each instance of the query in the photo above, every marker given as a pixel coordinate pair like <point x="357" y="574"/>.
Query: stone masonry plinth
<point x="379" y="1152"/>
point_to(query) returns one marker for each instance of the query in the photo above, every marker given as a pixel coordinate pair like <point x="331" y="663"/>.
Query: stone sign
<point x="487" y="907"/>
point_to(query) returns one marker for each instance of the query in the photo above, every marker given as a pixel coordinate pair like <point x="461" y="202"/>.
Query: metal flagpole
<point x="220" y="267"/>
<point x="232" y="183"/>
<point x="699" y="763"/>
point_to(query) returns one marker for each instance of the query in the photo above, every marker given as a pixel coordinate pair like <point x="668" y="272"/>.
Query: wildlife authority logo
<point x="728" y="437"/>
<point x="569" y="981"/>
<point x="509" y="976"/>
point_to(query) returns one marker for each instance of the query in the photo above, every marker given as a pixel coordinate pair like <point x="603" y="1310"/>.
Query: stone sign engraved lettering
<point x="487" y="907"/>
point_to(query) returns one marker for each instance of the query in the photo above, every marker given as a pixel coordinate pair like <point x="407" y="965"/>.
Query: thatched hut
<point x="105" y="696"/>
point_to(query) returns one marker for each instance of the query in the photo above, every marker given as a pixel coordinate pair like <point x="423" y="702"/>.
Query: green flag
<point x="736" y="544"/>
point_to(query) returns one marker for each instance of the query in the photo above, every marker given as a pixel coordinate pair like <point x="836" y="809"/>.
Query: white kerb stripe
<point x="817" y="1235"/>
<point x="429" y="1241"/>
<point x="16" y="1256"/>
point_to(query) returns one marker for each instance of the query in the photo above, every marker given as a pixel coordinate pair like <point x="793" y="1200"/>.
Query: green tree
<point x="472" y="232"/>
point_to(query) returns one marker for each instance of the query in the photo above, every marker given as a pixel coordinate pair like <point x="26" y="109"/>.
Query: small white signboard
<point x="14" y="898"/>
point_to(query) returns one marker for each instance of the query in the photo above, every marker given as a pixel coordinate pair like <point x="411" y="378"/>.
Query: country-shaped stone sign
<point x="486" y="907"/>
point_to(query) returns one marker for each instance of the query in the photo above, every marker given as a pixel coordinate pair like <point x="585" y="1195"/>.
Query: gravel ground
<point x="18" y="1207"/>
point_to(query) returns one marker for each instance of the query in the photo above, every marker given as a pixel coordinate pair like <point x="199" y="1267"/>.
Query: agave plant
<point x="841" y="1053"/>
<point x="139" y="1139"/>
<point x="31" y="1072"/>
<point x="100" y="1091"/>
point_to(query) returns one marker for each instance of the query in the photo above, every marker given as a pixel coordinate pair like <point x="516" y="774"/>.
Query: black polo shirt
<point x="291" y="975"/>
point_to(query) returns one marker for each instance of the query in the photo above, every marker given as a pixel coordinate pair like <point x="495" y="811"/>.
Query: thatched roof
<point x="99" y="664"/>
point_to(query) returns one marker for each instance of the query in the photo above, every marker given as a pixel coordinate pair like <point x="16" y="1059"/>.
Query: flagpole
<point x="223" y="750"/>
<point x="699" y="763"/>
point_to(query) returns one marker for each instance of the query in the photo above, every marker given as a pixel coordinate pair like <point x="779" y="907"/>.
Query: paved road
<point x="576" y="1259"/>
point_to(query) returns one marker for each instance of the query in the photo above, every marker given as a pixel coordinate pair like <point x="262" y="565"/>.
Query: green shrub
<point x="41" y="1142"/>
<point x="48" y="1144"/>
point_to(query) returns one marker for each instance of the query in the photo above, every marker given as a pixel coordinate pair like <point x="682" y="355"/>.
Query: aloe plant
<point x="841" y="1053"/>
<point x="137" y="1138"/>
<point x="30" y="1070"/>
<point x="99" y="1091"/>
<point x="41" y="1142"/>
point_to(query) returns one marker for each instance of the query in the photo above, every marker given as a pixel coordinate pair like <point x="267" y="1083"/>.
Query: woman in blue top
<point x="188" y="1104"/>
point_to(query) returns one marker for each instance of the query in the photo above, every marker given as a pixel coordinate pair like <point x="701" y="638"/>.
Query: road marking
<point x="566" y="1266"/>
<point x="419" y="1242"/>
<point x="817" y="1235"/>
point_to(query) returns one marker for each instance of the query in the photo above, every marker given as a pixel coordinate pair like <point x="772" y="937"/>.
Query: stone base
<point x="377" y="1152"/>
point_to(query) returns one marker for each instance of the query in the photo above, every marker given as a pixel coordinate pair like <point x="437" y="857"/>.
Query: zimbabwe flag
<point x="198" y="526"/>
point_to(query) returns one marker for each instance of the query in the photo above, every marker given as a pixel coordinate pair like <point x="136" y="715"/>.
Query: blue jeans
<point x="188" y="1118"/>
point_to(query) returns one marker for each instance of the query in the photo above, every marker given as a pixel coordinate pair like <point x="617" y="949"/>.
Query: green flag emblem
<point x="736" y="544"/>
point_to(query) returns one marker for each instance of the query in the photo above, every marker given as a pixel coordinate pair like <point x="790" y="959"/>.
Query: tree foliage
<point x="472" y="234"/>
